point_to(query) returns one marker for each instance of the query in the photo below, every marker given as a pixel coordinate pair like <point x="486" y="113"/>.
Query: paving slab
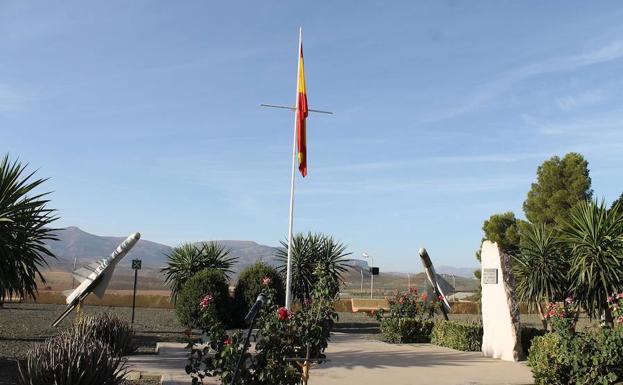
<point x="362" y="360"/>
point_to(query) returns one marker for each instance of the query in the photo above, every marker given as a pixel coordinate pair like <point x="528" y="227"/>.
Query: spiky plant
<point x="188" y="259"/>
<point x="540" y="269"/>
<point x="110" y="329"/>
<point x="24" y="227"/>
<point x="309" y="251"/>
<point x="595" y="235"/>
<point x="73" y="357"/>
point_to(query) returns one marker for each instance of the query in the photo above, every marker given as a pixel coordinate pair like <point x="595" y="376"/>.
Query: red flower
<point x="206" y="301"/>
<point x="440" y="298"/>
<point x="227" y="341"/>
<point x="283" y="314"/>
<point x="266" y="281"/>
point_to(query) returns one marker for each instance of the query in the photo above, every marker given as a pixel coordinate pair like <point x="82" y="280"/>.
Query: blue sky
<point x="145" y="115"/>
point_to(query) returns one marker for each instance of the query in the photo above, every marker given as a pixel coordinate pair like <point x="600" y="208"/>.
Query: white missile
<point x="94" y="278"/>
<point x="435" y="281"/>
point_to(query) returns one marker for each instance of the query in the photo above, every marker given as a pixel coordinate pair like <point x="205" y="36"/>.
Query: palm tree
<point x="540" y="269"/>
<point x="308" y="252"/>
<point x="24" y="227"/>
<point x="188" y="259"/>
<point x="595" y="235"/>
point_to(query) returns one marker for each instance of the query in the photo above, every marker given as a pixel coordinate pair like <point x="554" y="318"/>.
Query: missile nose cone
<point x="425" y="258"/>
<point x="136" y="235"/>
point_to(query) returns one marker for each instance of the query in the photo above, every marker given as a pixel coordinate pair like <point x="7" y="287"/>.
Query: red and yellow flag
<point x="301" y="115"/>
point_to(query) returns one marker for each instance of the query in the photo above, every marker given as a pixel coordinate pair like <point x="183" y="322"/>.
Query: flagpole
<point x="291" y="220"/>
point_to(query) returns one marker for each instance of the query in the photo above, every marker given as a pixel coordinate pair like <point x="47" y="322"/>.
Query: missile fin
<point x="82" y="274"/>
<point x="100" y="289"/>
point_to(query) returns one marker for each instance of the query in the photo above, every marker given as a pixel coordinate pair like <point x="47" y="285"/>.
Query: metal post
<point x="372" y="277"/>
<point x="408" y="281"/>
<point x="291" y="219"/>
<point x="134" y="295"/>
<point x="361" y="271"/>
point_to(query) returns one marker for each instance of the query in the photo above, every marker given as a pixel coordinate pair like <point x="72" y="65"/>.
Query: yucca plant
<point x="72" y="358"/>
<point x="540" y="268"/>
<point x="595" y="235"/>
<point x="188" y="259"/>
<point x="110" y="329"/>
<point x="309" y="251"/>
<point x="24" y="227"/>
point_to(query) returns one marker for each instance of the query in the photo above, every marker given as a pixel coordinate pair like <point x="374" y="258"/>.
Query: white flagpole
<point x="289" y="268"/>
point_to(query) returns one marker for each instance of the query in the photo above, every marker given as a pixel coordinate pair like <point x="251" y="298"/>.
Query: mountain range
<point x="75" y="243"/>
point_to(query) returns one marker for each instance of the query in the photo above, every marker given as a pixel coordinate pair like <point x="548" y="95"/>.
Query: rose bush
<point x="280" y="334"/>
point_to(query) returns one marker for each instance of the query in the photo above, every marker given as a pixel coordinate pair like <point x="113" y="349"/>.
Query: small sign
<point x="136" y="264"/>
<point x="374" y="270"/>
<point x="490" y="276"/>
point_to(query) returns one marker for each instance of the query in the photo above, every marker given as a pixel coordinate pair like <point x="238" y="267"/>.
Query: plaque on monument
<point x="490" y="276"/>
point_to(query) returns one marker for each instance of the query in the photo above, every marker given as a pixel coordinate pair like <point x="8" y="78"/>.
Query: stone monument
<point x="500" y="313"/>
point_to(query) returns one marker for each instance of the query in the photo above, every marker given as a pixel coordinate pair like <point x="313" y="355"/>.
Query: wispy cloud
<point x="11" y="99"/>
<point x="487" y="92"/>
<point x="445" y="185"/>
<point x="585" y="98"/>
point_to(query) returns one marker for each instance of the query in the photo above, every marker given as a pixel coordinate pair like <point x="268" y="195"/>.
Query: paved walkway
<point x="358" y="359"/>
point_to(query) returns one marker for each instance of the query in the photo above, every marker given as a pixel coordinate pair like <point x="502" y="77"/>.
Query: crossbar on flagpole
<point x="294" y="108"/>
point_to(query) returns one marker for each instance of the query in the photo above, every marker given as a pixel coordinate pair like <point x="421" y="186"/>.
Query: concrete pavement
<point x="361" y="360"/>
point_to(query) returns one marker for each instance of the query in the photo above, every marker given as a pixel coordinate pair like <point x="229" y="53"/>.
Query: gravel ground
<point x="24" y="325"/>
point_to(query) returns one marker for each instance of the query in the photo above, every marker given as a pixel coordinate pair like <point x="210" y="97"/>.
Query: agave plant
<point x="595" y="235"/>
<point x="188" y="259"/>
<point x="110" y="329"/>
<point x="24" y="227"/>
<point x="540" y="269"/>
<point x="73" y="357"/>
<point x="308" y="252"/>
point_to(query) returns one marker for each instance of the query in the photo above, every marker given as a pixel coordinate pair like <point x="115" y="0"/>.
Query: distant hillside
<point x="74" y="242"/>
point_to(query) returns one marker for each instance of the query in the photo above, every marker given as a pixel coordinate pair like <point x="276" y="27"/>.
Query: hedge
<point x="404" y="330"/>
<point x="250" y="285"/>
<point x="208" y="281"/>
<point x="456" y="335"/>
<point x="594" y="357"/>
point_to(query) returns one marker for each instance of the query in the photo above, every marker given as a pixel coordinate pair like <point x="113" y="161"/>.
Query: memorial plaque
<point x="490" y="276"/>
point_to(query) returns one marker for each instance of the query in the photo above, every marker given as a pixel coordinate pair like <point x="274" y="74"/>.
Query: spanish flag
<point x="301" y="115"/>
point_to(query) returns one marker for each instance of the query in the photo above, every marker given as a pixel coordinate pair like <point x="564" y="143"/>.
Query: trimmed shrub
<point x="404" y="330"/>
<point x="527" y="336"/>
<point x="251" y="283"/>
<point x="206" y="282"/>
<point x="72" y="358"/>
<point x="548" y="360"/>
<point x="109" y="329"/>
<point x="596" y="357"/>
<point x="456" y="335"/>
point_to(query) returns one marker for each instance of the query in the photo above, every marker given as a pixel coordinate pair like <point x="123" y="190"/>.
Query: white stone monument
<point x="500" y="314"/>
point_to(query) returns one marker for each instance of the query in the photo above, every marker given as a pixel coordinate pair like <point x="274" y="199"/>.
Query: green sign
<point x="136" y="264"/>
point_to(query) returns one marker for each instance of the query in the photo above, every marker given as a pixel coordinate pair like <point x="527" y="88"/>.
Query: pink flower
<point x="307" y="301"/>
<point x="206" y="301"/>
<point x="266" y="281"/>
<point x="424" y="296"/>
<point x="569" y="300"/>
<point x="620" y="319"/>
<point x="610" y="299"/>
<point x="283" y="314"/>
<point x="227" y="341"/>
<point x="620" y="295"/>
